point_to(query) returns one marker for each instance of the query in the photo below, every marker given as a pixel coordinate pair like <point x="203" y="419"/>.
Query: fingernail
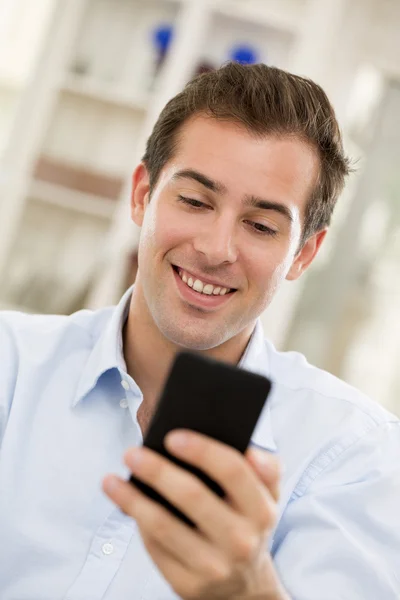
<point x="111" y="483"/>
<point x="135" y="457"/>
<point x="178" y="439"/>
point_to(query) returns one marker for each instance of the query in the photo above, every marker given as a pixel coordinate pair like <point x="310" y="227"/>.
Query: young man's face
<point x="227" y="211"/>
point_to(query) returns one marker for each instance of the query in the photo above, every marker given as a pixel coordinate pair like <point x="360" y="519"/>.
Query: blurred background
<point x="81" y="85"/>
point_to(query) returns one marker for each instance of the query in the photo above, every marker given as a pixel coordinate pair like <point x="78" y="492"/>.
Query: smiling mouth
<point x="201" y="287"/>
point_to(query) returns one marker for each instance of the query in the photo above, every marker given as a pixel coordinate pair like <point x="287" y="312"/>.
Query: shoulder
<point x="310" y="388"/>
<point x="37" y="338"/>
<point x="33" y="344"/>
<point x="316" y="417"/>
<point x="31" y="328"/>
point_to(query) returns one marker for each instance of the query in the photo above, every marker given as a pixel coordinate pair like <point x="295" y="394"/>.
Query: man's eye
<point x="191" y="202"/>
<point x="262" y="229"/>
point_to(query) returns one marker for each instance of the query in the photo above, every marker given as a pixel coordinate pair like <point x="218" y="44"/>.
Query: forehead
<point x="285" y="167"/>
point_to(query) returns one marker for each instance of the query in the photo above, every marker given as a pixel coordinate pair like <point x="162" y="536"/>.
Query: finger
<point x="187" y="546"/>
<point x="183" y="581"/>
<point x="231" y="470"/>
<point x="268" y="469"/>
<point x="233" y="534"/>
<point x="184" y="490"/>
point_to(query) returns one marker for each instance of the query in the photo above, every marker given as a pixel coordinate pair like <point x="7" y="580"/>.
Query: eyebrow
<point x="256" y="202"/>
<point x="220" y="188"/>
<point x="210" y="184"/>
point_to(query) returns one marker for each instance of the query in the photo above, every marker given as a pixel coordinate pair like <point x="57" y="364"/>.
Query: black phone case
<point x="219" y="400"/>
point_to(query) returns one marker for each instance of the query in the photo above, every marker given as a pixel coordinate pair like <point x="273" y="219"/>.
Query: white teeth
<point x="208" y="289"/>
<point x="201" y="287"/>
<point x="198" y="285"/>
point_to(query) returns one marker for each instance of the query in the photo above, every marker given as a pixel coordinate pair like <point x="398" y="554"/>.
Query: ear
<point x="140" y="193"/>
<point x="306" y="255"/>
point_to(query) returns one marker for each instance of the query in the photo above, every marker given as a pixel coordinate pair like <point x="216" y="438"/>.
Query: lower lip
<point x="200" y="300"/>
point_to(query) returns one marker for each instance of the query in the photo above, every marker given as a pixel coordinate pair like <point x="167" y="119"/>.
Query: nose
<point x="217" y="242"/>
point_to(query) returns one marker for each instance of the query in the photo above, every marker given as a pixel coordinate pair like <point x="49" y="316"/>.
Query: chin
<point x="196" y="338"/>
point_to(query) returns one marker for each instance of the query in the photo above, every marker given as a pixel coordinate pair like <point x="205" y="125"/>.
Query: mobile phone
<point x="217" y="399"/>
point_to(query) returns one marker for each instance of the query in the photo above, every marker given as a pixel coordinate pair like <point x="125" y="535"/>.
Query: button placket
<point x="107" y="551"/>
<point x="124" y="401"/>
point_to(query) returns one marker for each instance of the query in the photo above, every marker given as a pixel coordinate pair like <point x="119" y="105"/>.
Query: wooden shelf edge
<point x="72" y="200"/>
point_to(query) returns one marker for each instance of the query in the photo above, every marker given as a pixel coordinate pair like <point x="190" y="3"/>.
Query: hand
<point x="226" y="557"/>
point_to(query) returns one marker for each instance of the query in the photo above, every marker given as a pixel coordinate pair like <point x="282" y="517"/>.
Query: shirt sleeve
<point x="8" y="371"/>
<point x="340" y="537"/>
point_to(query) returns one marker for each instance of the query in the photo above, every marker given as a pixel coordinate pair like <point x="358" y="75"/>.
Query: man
<point x="234" y="194"/>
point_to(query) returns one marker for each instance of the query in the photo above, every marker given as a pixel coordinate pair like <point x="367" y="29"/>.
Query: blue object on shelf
<point x="244" y="54"/>
<point x="162" y="37"/>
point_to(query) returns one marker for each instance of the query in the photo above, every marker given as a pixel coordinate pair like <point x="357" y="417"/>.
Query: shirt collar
<point x="108" y="354"/>
<point x="256" y="360"/>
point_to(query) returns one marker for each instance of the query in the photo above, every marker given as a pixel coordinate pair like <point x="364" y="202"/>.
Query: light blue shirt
<point x="68" y="413"/>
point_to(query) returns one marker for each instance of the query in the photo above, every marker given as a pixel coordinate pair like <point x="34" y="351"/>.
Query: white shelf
<point x="72" y="200"/>
<point x="101" y="92"/>
<point x="283" y="21"/>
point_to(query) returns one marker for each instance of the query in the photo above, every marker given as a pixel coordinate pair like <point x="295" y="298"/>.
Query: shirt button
<point x="125" y="384"/>
<point x="123" y="403"/>
<point x="107" y="548"/>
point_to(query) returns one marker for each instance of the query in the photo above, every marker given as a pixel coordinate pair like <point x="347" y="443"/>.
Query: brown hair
<point x="266" y="101"/>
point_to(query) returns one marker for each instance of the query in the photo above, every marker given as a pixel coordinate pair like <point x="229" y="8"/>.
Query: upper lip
<point x="205" y="279"/>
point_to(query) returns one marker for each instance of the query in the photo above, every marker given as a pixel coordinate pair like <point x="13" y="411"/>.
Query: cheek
<point x="269" y="268"/>
<point x="163" y="229"/>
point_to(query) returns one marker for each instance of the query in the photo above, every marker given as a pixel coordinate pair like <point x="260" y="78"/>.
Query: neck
<point x="149" y="355"/>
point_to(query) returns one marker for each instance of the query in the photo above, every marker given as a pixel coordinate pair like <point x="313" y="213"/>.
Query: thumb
<point x="268" y="469"/>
